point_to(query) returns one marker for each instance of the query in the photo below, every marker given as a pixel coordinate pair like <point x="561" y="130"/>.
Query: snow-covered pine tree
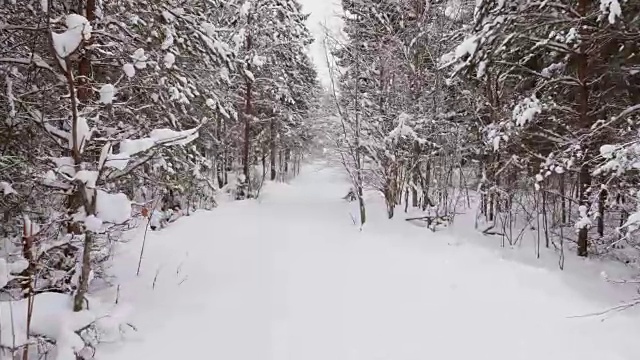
<point x="552" y="75"/>
<point x="271" y="46"/>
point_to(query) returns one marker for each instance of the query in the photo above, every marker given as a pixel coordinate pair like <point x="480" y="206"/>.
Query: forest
<point x="108" y="105"/>
<point x="533" y="106"/>
<point x="526" y="112"/>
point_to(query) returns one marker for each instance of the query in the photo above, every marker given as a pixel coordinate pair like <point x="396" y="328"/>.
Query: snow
<point x="83" y="134"/>
<point x="249" y="75"/>
<point x="78" y="29"/>
<point x="132" y="147"/>
<point x="7" y="189"/>
<point x="290" y="277"/>
<point x="9" y="269"/>
<point x="139" y="59"/>
<point x="608" y="151"/>
<point x="52" y="317"/>
<point x="209" y="29"/>
<point x="552" y="69"/>
<point x="88" y="177"/>
<point x="158" y="137"/>
<point x="11" y="100"/>
<point x="526" y="111"/>
<point x="482" y="69"/>
<point x="612" y="7"/>
<point x="453" y="9"/>
<point x="169" y="60"/>
<point x="244" y="9"/>
<point x="168" y="17"/>
<point x="129" y="70"/>
<point x="64" y="165"/>
<point x="112" y="208"/>
<point x="583" y="221"/>
<point x="5" y="274"/>
<point x="633" y="221"/>
<point x="224" y="75"/>
<point x="117" y="161"/>
<point x="402" y="129"/>
<point x="93" y="223"/>
<point x="107" y="93"/>
<point x="259" y="60"/>
<point x="464" y="52"/>
<point x="467" y="47"/>
<point x="168" y="39"/>
<point x="496" y="143"/>
<point x="155" y="220"/>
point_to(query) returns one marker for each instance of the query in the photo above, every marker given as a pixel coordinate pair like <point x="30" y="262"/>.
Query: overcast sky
<point x="321" y="11"/>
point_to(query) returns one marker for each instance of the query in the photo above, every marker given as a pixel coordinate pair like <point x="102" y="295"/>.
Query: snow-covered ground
<point x="290" y="277"/>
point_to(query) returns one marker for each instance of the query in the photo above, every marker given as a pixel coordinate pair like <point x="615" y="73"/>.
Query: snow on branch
<point x="158" y="137"/>
<point x="66" y="43"/>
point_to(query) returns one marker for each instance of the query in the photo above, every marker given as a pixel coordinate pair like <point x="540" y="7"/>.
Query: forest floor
<point x="289" y="276"/>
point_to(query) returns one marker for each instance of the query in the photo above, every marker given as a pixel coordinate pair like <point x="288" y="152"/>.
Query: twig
<point x="155" y="278"/>
<point x="617" y="308"/>
<point x="144" y="239"/>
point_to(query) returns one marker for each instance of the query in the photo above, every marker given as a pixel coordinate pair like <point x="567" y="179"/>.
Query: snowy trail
<point x="292" y="278"/>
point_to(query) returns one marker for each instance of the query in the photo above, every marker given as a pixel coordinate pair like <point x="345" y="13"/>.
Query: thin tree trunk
<point x="272" y="143"/>
<point x="28" y="285"/>
<point x="563" y="200"/>
<point x="82" y="195"/>
<point x="602" y="198"/>
<point x="84" y="67"/>
<point x="585" y="182"/>
<point x="425" y="189"/>
<point x="544" y="217"/>
<point x="287" y="159"/>
<point x="78" y="300"/>
<point x="247" y="111"/>
<point x="220" y="164"/>
<point x="585" y="121"/>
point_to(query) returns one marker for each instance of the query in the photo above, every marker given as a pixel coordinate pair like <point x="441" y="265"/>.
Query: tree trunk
<point x="389" y="195"/>
<point x="28" y="274"/>
<point x="363" y="212"/>
<point x="247" y="131"/>
<point x="415" y="175"/>
<point x="225" y="174"/>
<point x="425" y="187"/>
<point x="583" y="96"/>
<point x="84" y="67"/>
<point x="78" y="300"/>
<point x="219" y="154"/>
<point x="585" y="182"/>
<point x="247" y="111"/>
<point x="602" y="199"/>
<point x="563" y="200"/>
<point x="544" y="216"/>
<point x="272" y="143"/>
<point x="82" y="196"/>
<point x="287" y="159"/>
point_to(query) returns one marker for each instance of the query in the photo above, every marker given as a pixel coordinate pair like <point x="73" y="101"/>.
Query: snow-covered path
<point x="291" y="278"/>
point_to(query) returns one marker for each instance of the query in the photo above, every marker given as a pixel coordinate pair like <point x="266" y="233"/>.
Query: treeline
<point x="106" y="105"/>
<point x="535" y="104"/>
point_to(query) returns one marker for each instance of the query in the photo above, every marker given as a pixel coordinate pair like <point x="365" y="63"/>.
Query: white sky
<point x="321" y="11"/>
